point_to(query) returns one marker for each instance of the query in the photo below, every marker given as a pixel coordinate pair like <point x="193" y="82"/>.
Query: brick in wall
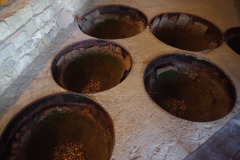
<point x="14" y="22"/>
<point x="31" y="28"/>
<point x="38" y="7"/>
<point x="4" y="31"/>
<point x="26" y="14"/>
<point x="7" y="52"/>
<point x="42" y="18"/>
<point x="20" y="39"/>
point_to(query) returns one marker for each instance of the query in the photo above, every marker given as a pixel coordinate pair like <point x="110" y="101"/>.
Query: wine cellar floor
<point x="143" y="130"/>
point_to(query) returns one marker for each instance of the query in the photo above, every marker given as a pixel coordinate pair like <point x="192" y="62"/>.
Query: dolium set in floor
<point x="190" y="88"/>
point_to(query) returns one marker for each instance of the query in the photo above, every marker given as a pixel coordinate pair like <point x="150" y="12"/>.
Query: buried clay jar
<point x="113" y="22"/>
<point x="91" y="66"/>
<point x="59" y="126"/>
<point x="186" y="32"/>
<point x="189" y="87"/>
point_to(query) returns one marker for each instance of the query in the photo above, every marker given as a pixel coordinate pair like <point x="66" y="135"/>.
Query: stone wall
<point x="26" y="28"/>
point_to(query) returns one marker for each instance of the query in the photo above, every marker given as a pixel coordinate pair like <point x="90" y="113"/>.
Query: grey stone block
<point x="48" y="27"/>
<point x="5" y="81"/>
<point x="7" y="52"/>
<point x="40" y="47"/>
<point x="31" y="28"/>
<point x="14" y="22"/>
<point x="34" y="53"/>
<point x="50" y="2"/>
<point x="14" y="35"/>
<point x="38" y="36"/>
<point x="8" y="66"/>
<point x="49" y="13"/>
<point x="38" y="7"/>
<point x="20" y="39"/>
<point x="38" y="21"/>
<point x="53" y="33"/>
<point x="4" y="31"/>
<point x="23" y="63"/>
<point x="41" y="19"/>
<point x="18" y="54"/>
<point x="26" y="14"/>
<point x="28" y="47"/>
<point x="45" y="40"/>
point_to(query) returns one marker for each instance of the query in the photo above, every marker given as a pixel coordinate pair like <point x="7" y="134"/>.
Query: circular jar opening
<point x="232" y="38"/>
<point x="189" y="88"/>
<point x="113" y="22"/>
<point x="60" y="126"/>
<point x="91" y="66"/>
<point x="185" y="31"/>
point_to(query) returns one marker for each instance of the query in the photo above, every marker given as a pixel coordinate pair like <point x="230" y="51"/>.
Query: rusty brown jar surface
<point x="113" y="22"/>
<point x="59" y="126"/>
<point x="189" y="87"/>
<point x="185" y="31"/>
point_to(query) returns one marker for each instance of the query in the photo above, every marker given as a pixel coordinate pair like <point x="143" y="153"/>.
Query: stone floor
<point x="142" y="129"/>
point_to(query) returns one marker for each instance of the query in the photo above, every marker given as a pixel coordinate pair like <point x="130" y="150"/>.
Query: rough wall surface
<point x="26" y="28"/>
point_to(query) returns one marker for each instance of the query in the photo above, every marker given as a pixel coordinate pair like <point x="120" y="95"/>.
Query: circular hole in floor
<point x="189" y="88"/>
<point x="91" y="66"/>
<point x="113" y="22"/>
<point x="185" y="31"/>
<point x="232" y="38"/>
<point x="60" y="126"/>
